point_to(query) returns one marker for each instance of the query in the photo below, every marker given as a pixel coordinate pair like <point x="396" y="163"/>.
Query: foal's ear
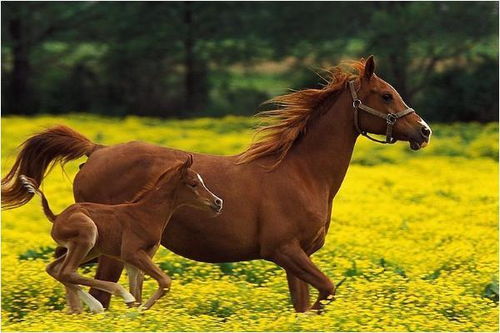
<point x="369" y="67"/>
<point x="187" y="164"/>
<point x="189" y="161"/>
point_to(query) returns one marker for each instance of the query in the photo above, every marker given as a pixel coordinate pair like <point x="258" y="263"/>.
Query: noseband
<point x="390" y="118"/>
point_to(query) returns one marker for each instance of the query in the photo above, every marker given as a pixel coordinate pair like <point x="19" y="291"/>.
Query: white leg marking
<point x="127" y="297"/>
<point x="94" y="305"/>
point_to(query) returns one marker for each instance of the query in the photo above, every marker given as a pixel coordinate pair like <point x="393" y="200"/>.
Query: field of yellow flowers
<point x="414" y="234"/>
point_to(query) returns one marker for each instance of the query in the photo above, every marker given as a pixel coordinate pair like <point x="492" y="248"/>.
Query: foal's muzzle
<point x="216" y="205"/>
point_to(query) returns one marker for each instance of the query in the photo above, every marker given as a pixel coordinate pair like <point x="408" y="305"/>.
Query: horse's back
<point x="115" y="174"/>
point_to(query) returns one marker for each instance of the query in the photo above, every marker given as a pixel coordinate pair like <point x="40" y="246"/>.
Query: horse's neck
<point x="325" y="151"/>
<point x="156" y="207"/>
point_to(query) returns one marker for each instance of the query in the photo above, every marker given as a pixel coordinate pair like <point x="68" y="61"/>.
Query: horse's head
<point x="191" y="190"/>
<point x="381" y="110"/>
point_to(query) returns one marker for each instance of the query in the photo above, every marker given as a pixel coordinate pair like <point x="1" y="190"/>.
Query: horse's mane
<point x="289" y="120"/>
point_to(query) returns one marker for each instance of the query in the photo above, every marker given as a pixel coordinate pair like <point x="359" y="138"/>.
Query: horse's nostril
<point x="426" y="131"/>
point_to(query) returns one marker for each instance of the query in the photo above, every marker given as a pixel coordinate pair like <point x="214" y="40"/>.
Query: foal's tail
<point x="57" y="144"/>
<point x="31" y="187"/>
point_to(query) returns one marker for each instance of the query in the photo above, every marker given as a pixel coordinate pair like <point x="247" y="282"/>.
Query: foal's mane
<point x="149" y="187"/>
<point x="289" y="120"/>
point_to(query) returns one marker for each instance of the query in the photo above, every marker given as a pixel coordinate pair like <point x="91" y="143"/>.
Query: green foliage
<point x="466" y="94"/>
<point x="43" y="252"/>
<point x="187" y="59"/>
<point x="491" y="291"/>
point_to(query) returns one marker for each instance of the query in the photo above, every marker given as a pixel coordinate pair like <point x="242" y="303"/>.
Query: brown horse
<point x="278" y="193"/>
<point x="129" y="232"/>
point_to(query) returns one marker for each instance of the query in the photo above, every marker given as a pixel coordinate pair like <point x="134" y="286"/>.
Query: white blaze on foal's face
<point x="198" y="194"/>
<point x="216" y="202"/>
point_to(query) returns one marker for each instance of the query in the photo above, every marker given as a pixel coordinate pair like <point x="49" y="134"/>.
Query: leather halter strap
<point x="390" y="118"/>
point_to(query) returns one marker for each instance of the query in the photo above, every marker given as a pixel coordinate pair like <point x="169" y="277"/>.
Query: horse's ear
<point x="369" y="67"/>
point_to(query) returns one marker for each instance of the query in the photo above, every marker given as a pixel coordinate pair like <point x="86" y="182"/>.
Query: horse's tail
<point x="57" y="144"/>
<point x="31" y="187"/>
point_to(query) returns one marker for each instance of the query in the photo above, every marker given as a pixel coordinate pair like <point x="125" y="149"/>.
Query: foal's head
<point x="188" y="189"/>
<point x="381" y="96"/>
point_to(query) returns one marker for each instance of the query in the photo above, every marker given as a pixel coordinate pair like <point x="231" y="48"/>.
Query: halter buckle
<point x="391" y="119"/>
<point x="356" y="103"/>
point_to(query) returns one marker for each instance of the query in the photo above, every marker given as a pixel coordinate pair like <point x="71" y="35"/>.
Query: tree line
<point x="182" y="59"/>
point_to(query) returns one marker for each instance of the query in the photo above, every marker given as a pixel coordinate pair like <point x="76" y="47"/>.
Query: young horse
<point x="281" y="213"/>
<point x="128" y="232"/>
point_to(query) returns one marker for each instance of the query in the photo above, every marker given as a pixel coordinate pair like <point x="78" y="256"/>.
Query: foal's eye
<point x="193" y="185"/>
<point x="387" y="97"/>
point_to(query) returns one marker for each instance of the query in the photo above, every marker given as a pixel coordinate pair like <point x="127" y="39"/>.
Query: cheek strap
<point x="390" y="118"/>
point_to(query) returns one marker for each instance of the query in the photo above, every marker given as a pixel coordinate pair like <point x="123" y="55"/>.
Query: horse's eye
<point x="193" y="185"/>
<point x="387" y="97"/>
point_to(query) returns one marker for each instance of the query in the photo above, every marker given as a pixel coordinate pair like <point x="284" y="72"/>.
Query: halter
<point x="390" y="118"/>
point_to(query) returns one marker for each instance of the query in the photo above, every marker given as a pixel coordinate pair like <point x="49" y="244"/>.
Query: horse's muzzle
<point x="422" y="138"/>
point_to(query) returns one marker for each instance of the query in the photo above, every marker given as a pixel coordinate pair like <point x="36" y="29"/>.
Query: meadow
<point x="414" y="235"/>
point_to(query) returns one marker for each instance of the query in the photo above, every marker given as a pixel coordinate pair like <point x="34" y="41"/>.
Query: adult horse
<point x="278" y="193"/>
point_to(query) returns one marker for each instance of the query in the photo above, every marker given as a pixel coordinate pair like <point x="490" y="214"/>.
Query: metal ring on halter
<point x="356" y="103"/>
<point x="391" y="119"/>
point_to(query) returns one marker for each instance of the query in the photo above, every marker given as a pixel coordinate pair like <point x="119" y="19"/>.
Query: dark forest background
<point x="185" y="59"/>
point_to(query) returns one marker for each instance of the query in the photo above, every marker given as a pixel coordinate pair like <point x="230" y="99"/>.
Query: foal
<point x="129" y="232"/>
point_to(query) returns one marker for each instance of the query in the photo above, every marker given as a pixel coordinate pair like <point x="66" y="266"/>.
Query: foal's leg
<point x="299" y="292"/>
<point x="135" y="283"/>
<point x="143" y="261"/>
<point x="108" y="269"/>
<point x="77" y="252"/>
<point x="292" y="258"/>
<point x="72" y="299"/>
<point x="74" y="294"/>
<point x="139" y="282"/>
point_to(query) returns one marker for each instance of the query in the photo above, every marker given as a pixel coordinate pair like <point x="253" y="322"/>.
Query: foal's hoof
<point x="97" y="308"/>
<point x="75" y="311"/>
<point x="128" y="297"/>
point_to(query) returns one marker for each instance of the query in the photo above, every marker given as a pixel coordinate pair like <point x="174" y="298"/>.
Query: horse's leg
<point x="74" y="294"/>
<point x="72" y="299"/>
<point x="77" y="253"/>
<point x="108" y="269"/>
<point x="133" y="281"/>
<point x="292" y="258"/>
<point x="143" y="261"/>
<point x="299" y="292"/>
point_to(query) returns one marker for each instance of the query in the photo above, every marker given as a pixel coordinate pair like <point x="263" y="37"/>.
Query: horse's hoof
<point x="329" y="299"/>
<point x="317" y="307"/>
